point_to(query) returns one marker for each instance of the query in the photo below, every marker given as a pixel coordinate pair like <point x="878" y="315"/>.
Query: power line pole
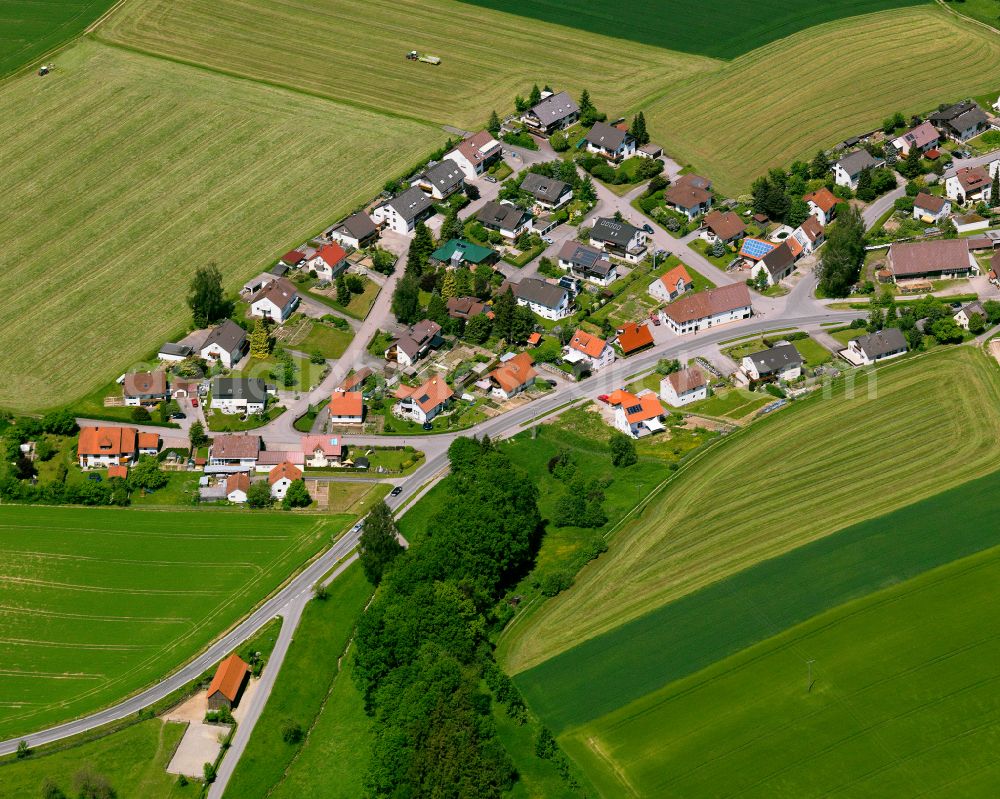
<point x="809" y="684"/>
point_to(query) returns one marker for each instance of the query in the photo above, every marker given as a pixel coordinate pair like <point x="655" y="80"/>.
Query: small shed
<point x="228" y="683"/>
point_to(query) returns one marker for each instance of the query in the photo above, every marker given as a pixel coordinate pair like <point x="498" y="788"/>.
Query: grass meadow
<point x="130" y="171"/>
<point x="903" y="703"/>
<point x="99" y="603"/>
<point x="354" y="52"/>
<point x="32" y="29"/>
<point x="814" y="88"/>
<point x="778" y="484"/>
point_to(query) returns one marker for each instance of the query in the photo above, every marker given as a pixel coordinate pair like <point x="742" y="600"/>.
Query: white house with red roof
<point x="329" y="261"/>
<point x="322" y="451"/>
<point x="637" y="416"/>
<point x="101" y="447"/>
<point x="589" y="350"/>
<point x="822" y="204"/>
<point x="684" y="387"/>
<point x="474" y="155"/>
<point x="423" y="403"/>
<point x="346" y="407"/>
<point x="237" y="486"/>
<point x="281" y="477"/>
<point x="671" y="285"/>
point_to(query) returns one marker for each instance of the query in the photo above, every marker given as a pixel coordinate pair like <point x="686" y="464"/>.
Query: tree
<point x="992" y="308"/>
<point x="59" y="423"/>
<point x="559" y="141"/>
<point x="423" y="239"/>
<point x="638" y="129"/>
<point x="355" y="283"/>
<point x="520" y="104"/>
<point x="379" y="544"/>
<point x="449" y="288"/>
<point x="864" y="191"/>
<point x="586" y="191"/>
<point x="622" y="449"/>
<point x="522" y="325"/>
<point x="146" y="474"/>
<point x="478" y="328"/>
<point x="91" y="785"/>
<point x="437" y="310"/>
<point x="535" y="96"/>
<point x="820" y="166"/>
<point x="139" y="414"/>
<point x="292" y="733"/>
<point x="798" y="212"/>
<point x="545" y="744"/>
<point x="260" y="340"/>
<point x="406" y="300"/>
<point x="208" y="771"/>
<point x="503" y="313"/>
<point x="452" y="227"/>
<point x="23" y="750"/>
<point x="718" y="248"/>
<point x="52" y="791"/>
<point x="843" y="253"/>
<point x="977" y="324"/>
<point x="946" y="331"/>
<point x="383" y="261"/>
<point x="196" y="435"/>
<point x="587" y="108"/>
<point x="343" y="293"/>
<point x="259" y="496"/>
<point x="493" y="126"/>
<point x="948" y="229"/>
<point x="206" y="299"/>
<point x="995" y="190"/>
<point x="910" y="167"/>
<point x="297" y="495"/>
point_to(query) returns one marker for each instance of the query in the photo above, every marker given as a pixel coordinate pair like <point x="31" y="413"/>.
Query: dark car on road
<point x="648" y="228"/>
<point x="396" y="491"/>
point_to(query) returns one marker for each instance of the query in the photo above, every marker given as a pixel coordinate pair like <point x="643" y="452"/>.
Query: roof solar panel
<point x="756" y="248"/>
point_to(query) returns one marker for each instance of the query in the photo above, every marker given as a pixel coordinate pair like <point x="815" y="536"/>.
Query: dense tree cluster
<point x="843" y="254"/>
<point x="206" y="297"/>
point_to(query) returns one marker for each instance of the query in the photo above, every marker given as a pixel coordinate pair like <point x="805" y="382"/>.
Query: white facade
<point x="214" y="352"/>
<point x="561" y="311"/>
<point x="788" y="373"/>
<point x="669" y="394"/>
<point x="605" y="358"/>
<point x="280" y="487"/>
<point x="104" y="461"/>
<point x="268" y="309"/>
<point x="236" y="405"/>
<point x="237" y="496"/>
<point x="926" y="214"/>
<point x="706" y="322"/>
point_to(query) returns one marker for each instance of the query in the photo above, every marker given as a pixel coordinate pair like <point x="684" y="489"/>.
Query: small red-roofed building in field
<point x="228" y="683"/>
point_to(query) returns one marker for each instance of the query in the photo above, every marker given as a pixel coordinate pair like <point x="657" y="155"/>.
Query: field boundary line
<point x="970" y="20"/>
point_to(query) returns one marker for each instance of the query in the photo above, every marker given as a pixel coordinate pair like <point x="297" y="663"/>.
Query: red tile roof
<point x="293" y="257"/>
<point x="432" y="393"/>
<point x="708" y="303"/>
<point x="823" y="198"/>
<point x="237" y="482"/>
<point x="107" y="441"/>
<point x="324" y="444"/>
<point x="229" y="677"/>
<point x="675" y="275"/>
<point x="637" y="409"/>
<point x="514" y="373"/>
<point x="590" y="345"/>
<point x="332" y="254"/>
<point x="686" y="380"/>
<point x="535" y="339"/>
<point x="284" y="470"/>
<point x="632" y="337"/>
<point x="139" y="384"/>
<point x="346" y="403"/>
<point x="118" y="471"/>
<point x="149" y="440"/>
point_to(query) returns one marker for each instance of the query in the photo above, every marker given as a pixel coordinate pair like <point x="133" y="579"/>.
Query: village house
<point x="149" y="444"/>
<point x="753" y="250"/>
<point x="415" y="343"/>
<point x="943" y="259"/>
<point x="966" y="313"/>
<point x="848" y="169"/>
<point x="924" y="137"/>
<point x="237" y="486"/>
<point x="459" y="252"/>
<point x="423" y="403"/>
<point x="329" y="261"/>
<point x="226" y="343"/>
<point x="591" y="352"/>
<point x="174" y="352"/>
<point x="512" y="376"/>
<point x="822" y="204"/>
<point x="281" y="477"/>
<point x="649" y="150"/>
<point x="778" y="264"/>
<point x="355" y="379"/>
<point x="466" y="307"/>
<point x="442" y="179"/>
<point x="227" y="684"/>
<point x="357" y="231"/>
<point x="346" y="407"/>
<point x="724" y="226"/>
<point x="232" y="452"/>
<point x="619" y="238"/>
<point x="548" y="193"/>
<point x="690" y="195"/>
<point x="961" y="121"/>
<point x="610" y="142"/>
<point x="809" y="235"/>
<point x="706" y="309"/>
<point x="587" y="263"/>
<point x="632" y="337"/>
<point x="269" y="458"/>
<point x="930" y="208"/>
<point x="879" y="346"/>
<point x="145" y="388"/>
<point x="276" y="301"/>
<point x="782" y="362"/>
<point x="671" y="285"/>
<point x="971" y="184"/>
<point x="402" y="213"/>
<point x="475" y="154"/>
<point x="320" y="452"/>
<point x="505" y="218"/>
<point x="293" y="259"/>
<point x="101" y="447"/>
<point x="684" y="387"/>
<point x="555" y="112"/>
<point x="546" y="299"/>
<point x="637" y="416"/>
<point x="244" y="395"/>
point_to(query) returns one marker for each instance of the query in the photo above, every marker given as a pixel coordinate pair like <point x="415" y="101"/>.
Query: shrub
<point x="292" y="733"/>
<point x="139" y="414"/>
<point x="555" y="582"/>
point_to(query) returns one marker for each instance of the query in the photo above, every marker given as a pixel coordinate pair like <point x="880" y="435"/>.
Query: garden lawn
<point x="317" y="650"/>
<point x="130" y="171"/>
<point x="328" y="340"/>
<point x="731" y="403"/>
<point x="219" y="422"/>
<point x="134" y="761"/>
<point x="358" y="306"/>
<point x="31" y="30"/>
<point x="813" y="352"/>
<point x="908" y="60"/>
<point x="903" y="703"/>
<point x="682" y="542"/>
<point x="271" y="371"/>
<point x="99" y="603"/>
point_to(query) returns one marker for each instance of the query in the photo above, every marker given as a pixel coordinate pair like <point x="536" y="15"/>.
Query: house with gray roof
<point x="619" y="239"/>
<point x="961" y="121"/>
<point x="238" y="394"/>
<point x="402" y="212"/>
<point x="879" y="346"/>
<point x="555" y="112"/>
<point x="587" y="263"/>
<point x="441" y="180"/>
<point x="549" y="193"/>
<point x="226" y="343"/>
<point x="505" y="218"/>
<point x="848" y="169"/>
<point x="610" y="142"/>
<point x="778" y="264"/>
<point x="548" y="300"/>
<point x="782" y="362"/>
<point x="356" y="231"/>
<point x="965" y="314"/>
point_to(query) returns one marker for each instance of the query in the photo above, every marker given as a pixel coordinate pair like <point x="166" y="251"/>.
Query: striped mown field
<point x="818" y="467"/>
<point x="791" y="97"/>
<point x="355" y="52"/>
<point x="29" y="30"/>
<point x="126" y="172"/>
<point x="95" y="604"/>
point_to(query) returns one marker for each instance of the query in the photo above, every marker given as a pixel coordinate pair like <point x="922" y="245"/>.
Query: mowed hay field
<point x="125" y="172"/>
<point x="821" y="465"/>
<point x="904" y="704"/>
<point x="809" y="91"/>
<point x="96" y="604"/>
<point x="356" y="52"/>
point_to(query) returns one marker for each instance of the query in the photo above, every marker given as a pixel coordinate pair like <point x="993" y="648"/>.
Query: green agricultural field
<point x="99" y="603"/>
<point x="355" y="52"/>
<point x="30" y="30"/>
<point x="129" y="172"/>
<point x="814" y="88"/>
<point x="683" y="541"/>
<point x="133" y="761"/>
<point x="904" y="703"/>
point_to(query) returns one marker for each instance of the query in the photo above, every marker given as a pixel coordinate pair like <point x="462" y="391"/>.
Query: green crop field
<point x="129" y="172"/>
<point x="355" y="52"/>
<point x="814" y="88"/>
<point x="904" y="703"/>
<point x="723" y="512"/>
<point x="99" y="603"/>
<point x="29" y="30"/>
<point x="715" y="28"/>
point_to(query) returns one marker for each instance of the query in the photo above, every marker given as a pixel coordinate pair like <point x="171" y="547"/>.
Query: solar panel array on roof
<point x="586" y="258"/>
<point x="756" y="248"/>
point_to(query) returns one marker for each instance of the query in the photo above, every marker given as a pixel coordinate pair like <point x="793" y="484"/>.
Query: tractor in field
<point x="413" y="55"/>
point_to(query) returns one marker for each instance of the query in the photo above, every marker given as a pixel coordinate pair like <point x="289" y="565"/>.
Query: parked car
<point x="179" y="415"/>
<point x="552" y="382"/>
<point x="194" y="402"/>
<point x="604" y="398"/>
<point x="428" y="426"/>
<point x="396" y="491"/>
<point x="648" y="228"/>
<point x="490" y="179"/>
<point x="949" y="164"/>
<point x="961" y="154"/>
<point x="547" y="240"/>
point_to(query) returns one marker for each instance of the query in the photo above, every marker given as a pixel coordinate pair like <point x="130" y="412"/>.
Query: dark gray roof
<point x="279" y="269"/>
<point x="975" y="307"/>
<point x="607" y="229"/>
<point x="173" y="348"/>
<point x="585" y="258"/>
<point x="444" y="175"/>
<point x="780" y="260"/>
<point x="501" y="215"/>
<point x="882" y="342"/>
<point x="229" y="335"/>
<point x="953" y="113"/>
<point x="544" y="188"/>
<point x="411" y="203"/>
<point x="606" y="136"/>
<point x="853" y="163"/>
<point x="775" y="359"/>
<point x="539" y="292"/>
<point x="972" y="118"/>
<point x="252" y="389"/>
<point x="358" y="226"/>
<point x="555" y="108"/>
